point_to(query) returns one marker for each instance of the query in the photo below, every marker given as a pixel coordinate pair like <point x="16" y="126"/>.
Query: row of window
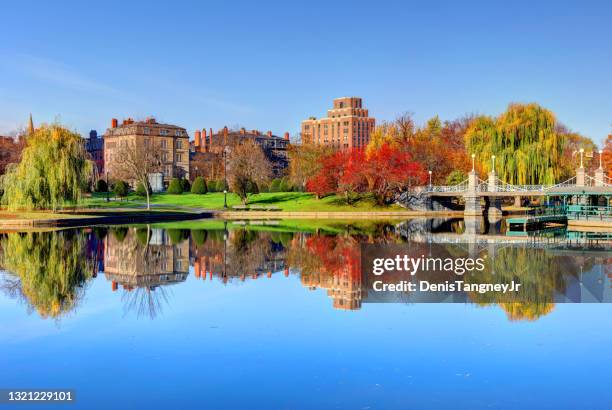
<point x="163" y="132"/>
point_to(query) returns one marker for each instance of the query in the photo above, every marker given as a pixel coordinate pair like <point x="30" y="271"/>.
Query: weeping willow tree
<point x="53" y="170"/>
<point x="540" y="273"/>
<point x="526" y="142"/>
<point x="51" y="267"/>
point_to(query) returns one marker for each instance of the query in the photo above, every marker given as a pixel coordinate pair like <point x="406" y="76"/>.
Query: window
<point x="179" y="157"/>
<point x="178" y="133"/>
<point x="146" y="131"/>
<point x="179" y="144"/>
<point x="164" y="144"/>
<point x="163" y="132"/>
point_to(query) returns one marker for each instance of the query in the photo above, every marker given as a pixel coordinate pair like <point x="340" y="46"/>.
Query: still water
<point x="210" y="315"/>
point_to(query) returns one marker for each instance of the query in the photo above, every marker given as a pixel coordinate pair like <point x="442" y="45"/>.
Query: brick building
<point x="173" y="142"/>
<point x="208" y="147"/>
<point x="10" y="151"/>
<point x="347" y="125"/>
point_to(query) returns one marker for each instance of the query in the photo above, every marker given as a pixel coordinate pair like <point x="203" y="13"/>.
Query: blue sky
<point x="268" y="65"/>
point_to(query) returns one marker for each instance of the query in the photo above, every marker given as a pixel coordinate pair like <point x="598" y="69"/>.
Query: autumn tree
<point x="135" y="162"/>
<point x="10" y="151"/>
<point x="607" y="155"/>
<point x="248" y="168"/>
<point x="305" y="162"/>
<point x="51" y="269"/>
<point x="389" y="170"/>
<point x="438" y="145"/>
<point x="526" y="142"/>
<point x="53" y="171"/>
<point x="382" y="171"/>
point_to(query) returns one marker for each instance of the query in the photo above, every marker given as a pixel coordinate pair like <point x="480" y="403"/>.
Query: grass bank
<point x="285" y="201"/>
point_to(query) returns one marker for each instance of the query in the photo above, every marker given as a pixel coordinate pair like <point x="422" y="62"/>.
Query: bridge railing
<point x="589" y="212"/>
<point x="460" y="187"/>
<point x="569" y="182"/>
<point x="591" y="181"/>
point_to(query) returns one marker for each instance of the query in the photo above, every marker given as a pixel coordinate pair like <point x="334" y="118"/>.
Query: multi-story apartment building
<point x="208" y="149"/>
<point x="347" y="125"/>
<point x="173" y="143"/>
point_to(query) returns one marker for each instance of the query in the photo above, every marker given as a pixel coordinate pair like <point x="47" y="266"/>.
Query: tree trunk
<point x="146" y="187"/>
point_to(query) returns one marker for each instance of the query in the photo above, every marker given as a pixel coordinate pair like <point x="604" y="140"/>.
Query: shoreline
<point x="94" y="217"/>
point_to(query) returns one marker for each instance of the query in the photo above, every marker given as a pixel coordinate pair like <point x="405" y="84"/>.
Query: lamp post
<point x="107" y="187"/>
<point x="493" y="160"/>
<point x="429" y="178"/>
<point x="473" y="158"/>
<point x="600" y="154"/>
<point x="225" y="178"/>
<point x="581" y="155"/>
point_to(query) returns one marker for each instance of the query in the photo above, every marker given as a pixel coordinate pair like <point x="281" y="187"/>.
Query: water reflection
<point x="50" y="270"/>
<point x="142" y="261"/>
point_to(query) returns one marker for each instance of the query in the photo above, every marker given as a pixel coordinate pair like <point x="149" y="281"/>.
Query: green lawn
<point x="35" y="215"/>
<point x="334" y="226"/>
<point x="286" y="201"/>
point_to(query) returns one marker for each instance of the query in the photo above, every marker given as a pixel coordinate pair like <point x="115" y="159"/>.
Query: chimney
<point x="197" y="136"/>
<point x="114" y="123"/>
<point x="286" y="136"/>
<point x="269" y="133"/>
<point x="224" y="136"/>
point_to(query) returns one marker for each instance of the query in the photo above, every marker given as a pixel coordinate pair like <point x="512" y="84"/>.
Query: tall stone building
<point x="173" y="142"/>
<point x="346" y="126"/>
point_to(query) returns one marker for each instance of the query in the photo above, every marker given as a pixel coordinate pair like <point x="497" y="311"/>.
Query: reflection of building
<point x="344" y="287"/>
<point x="208" y="148"/>
<point x="347" y="125"/>
<point x="173" y="144"/>
<point x="215" y="258"/>
<point x="94" y="146"/>
<point x="332" y="263"/>
<point x="130" y="263"/>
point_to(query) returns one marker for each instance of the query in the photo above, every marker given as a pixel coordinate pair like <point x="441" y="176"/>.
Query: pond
<point x="276" y="314"/>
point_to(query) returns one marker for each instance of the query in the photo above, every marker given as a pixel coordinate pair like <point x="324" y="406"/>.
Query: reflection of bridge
<point x="577" y="190"/>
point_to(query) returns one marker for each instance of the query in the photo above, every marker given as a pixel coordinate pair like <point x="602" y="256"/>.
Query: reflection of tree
<point x="527" y="311"/>
<point x="247" y="252"/>
<point x="332" y="263"/>
<point x="540" y="274"/>
<point x="145" y="301"/>
<point x="144" y="260"/>
<point x="51" y="267"/>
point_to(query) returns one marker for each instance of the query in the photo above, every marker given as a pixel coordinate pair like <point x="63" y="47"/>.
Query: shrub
<point x="199" y="236"/>
<point x="185" y="185"/>
<point x="199" y="186"/>
<point x="120" y="189"/>
<point x="177" y="235"/>
<point x="275" y="185"/>
<point x="284" y="185"/>
<point x="140" y="190"/>
<point x="175" y="187"/>
<point x="101" y="186"/>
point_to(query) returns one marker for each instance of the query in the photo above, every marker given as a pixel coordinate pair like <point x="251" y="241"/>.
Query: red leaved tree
<point x="388" y="170"/>
<point x="383" y="171"/>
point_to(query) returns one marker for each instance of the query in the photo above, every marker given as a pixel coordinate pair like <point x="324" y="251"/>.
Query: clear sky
<point x="269" y="65"/>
